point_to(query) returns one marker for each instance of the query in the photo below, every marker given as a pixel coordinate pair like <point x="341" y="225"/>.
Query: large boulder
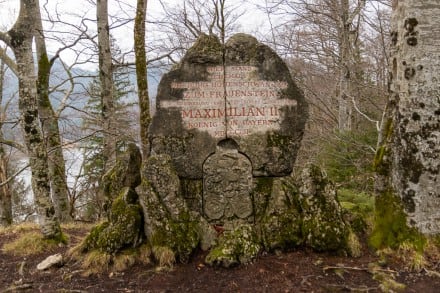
<point x="241" y="91"/>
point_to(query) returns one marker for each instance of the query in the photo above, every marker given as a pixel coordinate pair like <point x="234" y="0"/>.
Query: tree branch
<point x="8" y="60"/>
<point x="13" y="176"/>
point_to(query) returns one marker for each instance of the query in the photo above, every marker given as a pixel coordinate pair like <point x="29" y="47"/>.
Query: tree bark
<point x="20" y="38"/>
<point x="49" y="123"/>
<point x="141" y="74"/>
<point x="415" y="111"/>
<point x="346" y="31"/>
<point x="5" y="192"/>
<point x="106" y="79"/>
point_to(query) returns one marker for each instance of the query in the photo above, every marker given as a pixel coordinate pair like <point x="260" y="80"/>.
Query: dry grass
<point x="96" y="261"/>
<point x="19" y="228"/>
<point x="354" y="245"/>
<point x="145" y="254"/>
<point x="164" y="256"/>
<point x="29" y="243"/>
<point x="124" y="260"/>
<point x="77" y="226"/>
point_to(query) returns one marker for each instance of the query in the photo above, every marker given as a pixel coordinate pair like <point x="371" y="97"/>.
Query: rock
<point x="50" y="261"/>
<point x="238" y="245"/>
<point x="167" y="220"/>
<point x="257" y="105"/>
<point x="323" y="226"/>
<point x="224" y="139"/>
<point x="227" y="184"/>
<point x="124" y="228"/>
<point x="125" y="173"/>
<point x="281" y="221"/>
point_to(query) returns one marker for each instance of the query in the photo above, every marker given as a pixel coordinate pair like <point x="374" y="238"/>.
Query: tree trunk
<point x="5" y="192"/>
<point x="141" y="74"/>
<point x="344" y="90"/>
<point x="19" y="38"/>
<point x="106" y="79"/>
<point x="415" y="104"/>
<point x="49" y="123"/>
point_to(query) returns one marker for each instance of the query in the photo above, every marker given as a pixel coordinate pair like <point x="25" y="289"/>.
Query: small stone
<point x="50" y="261"/>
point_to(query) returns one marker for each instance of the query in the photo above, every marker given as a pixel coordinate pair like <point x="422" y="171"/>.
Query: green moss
<point x="358" y="207"/>
<point x="276" y="140"/>
<point x="379" y="165"/>
<point x="123" y="230"/>
<point x="390" y="226"/>
<point x="207" y="47"/>
<point x="280" y="228"/>
<point x="181" y="236"/>
<point x="236" y="246"/>
<point x="282" y="231"/>
<point x="90" y="242"/>
<point x="261" y="195"/>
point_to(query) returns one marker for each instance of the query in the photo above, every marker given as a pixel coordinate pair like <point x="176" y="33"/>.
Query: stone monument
<point x="228" y="124"/>
<point x="229" y="119"/>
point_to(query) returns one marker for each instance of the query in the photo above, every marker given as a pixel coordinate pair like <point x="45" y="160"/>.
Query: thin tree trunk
<point x="344" y="90"/>
<point x="141" y="74"/>
<point x="49" y="123"/>
<point x="19" y="38"/>
<point x="5" y="192"/>
<point x="106" y="79"/>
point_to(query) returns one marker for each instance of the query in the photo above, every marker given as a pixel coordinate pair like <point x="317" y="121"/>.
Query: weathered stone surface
<point x="227" y="183"/>
<point x="122" y="230"/>
<point x="238" y="245"/>
<point x="125" y="173"/>
<point x="300" y="211"/>
<point x="415" y="112"/>
<point x="50" y="261"/>
<point x="280" y="222"/>
<point x="249" y="97"/>
<point x="167" y="219"/>
<point x="323" y="227"/>
<point x="224" y="139"/>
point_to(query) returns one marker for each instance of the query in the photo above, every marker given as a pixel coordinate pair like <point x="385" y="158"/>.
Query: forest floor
<point x="297" y="271"/>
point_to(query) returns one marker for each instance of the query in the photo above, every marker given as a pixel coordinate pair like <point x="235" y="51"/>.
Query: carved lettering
<point x="237" y="104"/>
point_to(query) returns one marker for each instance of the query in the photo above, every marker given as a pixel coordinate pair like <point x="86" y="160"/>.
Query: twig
<point x="14" y="288"/>
<point x="358" y="269"/>
<point x="352" y="289"/>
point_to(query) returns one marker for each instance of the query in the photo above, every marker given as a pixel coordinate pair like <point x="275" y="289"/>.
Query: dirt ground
<point x="295" y="271"/>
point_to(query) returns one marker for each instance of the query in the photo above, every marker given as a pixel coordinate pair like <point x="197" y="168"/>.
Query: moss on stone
<point x="280" y="227"/>
<point x="390" y="226"/>
<point x="323" y="226"/>
<point x="124" y="228"/>
<point x="261" y="195"/>
<point x="206" y="49"/>
<point x="181" y="237"/>
<point x="236" y="246"/>
<point x="125" y="173"/>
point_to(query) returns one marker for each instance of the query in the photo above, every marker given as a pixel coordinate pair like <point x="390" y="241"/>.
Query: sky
<point x="69" y="11"/>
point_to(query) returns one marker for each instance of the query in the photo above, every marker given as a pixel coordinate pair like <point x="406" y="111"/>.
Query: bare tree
<point x="176" y="29"/>
<point x="141" y="73"/>
<point x="49" y="123"/>
<point x="20" y="38"/>
<point x="106" y="80"/>
<point x="5" y="192"/>
<point x="326" y="33"/>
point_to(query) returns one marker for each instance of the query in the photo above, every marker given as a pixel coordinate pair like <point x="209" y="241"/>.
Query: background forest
<point x="89" y="109"/>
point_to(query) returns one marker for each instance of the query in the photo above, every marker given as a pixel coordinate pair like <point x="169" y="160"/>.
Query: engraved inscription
<point x="235" y="104"/>
<point x="227" y="182"/>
